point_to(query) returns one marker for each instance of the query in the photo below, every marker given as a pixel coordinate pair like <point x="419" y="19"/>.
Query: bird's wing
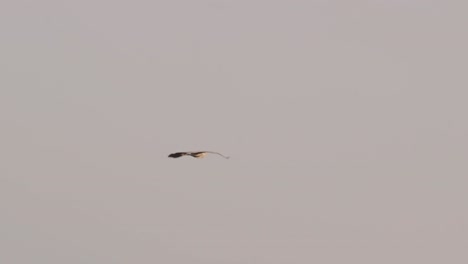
<point x="226" y="157"/>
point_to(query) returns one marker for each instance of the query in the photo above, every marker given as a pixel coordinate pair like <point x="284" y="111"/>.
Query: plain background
<point x="346" y="123"/>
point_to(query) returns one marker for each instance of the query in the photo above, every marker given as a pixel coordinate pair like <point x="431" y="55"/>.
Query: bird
<point x="195" y="154"/>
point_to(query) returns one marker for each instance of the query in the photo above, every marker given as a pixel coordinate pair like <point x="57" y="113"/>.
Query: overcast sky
<point x="346" y="123"/>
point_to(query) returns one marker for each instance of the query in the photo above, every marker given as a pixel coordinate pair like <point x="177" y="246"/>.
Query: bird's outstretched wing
<point x="226" y="157"/>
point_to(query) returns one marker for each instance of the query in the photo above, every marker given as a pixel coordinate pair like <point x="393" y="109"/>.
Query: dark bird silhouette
<point x="195" y="154"/>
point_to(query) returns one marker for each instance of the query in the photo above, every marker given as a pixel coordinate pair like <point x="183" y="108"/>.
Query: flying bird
<point x="196" y="154"/>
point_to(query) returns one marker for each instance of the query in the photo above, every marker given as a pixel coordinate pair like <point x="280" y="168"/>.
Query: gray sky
<point x="345" y="121"/>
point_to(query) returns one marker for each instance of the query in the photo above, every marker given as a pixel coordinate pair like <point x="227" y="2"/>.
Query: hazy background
<point x="346" y="122"/>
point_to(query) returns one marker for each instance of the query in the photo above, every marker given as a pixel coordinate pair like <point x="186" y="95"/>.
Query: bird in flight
<point x="195" y="154"/>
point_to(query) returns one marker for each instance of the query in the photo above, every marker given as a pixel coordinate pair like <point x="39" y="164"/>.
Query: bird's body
<point x="195" y="154"/>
